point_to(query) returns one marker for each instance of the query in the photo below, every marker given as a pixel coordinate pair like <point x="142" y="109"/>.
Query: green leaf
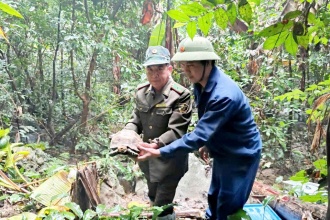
<point x="89" y="214"/>
<point x="275" y="40"/>
<point x="221" y="18"/>
<point x="242" y="3"/>
<point x="75" y="208"/>
<point x="324" y="40"/>
<point x="303" y="40"/>
<point x="232" y="13"/>
<point x="320" y="164"/>
<point x="291" y="15"/>
<point x="256" y="2"/>
<point x="207" y="3"/>
<point x="157" y="35"/>
<point x="100" y="209"/>
<point x="216" y="2"/>
<point x="193" y="9"/>
<point x="179" y="24"/>
<point x="9" y="10"/>
<point x="191" y="29"/>
<point x="68" y="215"/>
<point x="275" y="29"/>
<point x="315" y="40"/>
<point x="245" y="11"/>
<point x="178" y="15"/>
<point x="312" y="19"/>
<point x="205" y="22"/>
<point x="239" y="215"/>
<point x="267" y="200"/>
<point x="4" y="132"/>
<point x="290" y="45"/>
<point x="4" y="142"/>
<point x="314" y="198"/>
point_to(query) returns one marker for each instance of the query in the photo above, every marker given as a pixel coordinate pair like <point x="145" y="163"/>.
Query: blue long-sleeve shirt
<point x="226" y="125"/>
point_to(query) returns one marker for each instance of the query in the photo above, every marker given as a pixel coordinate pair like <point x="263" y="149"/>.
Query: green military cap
<point x="157" y="55"/>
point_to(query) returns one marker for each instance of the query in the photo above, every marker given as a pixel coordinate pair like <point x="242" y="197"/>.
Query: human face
<point x="158" y="75"/>
<point x="193" y="70"/>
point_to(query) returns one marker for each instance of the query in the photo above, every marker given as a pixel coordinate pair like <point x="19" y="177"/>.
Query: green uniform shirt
<point x="163" y="118"/>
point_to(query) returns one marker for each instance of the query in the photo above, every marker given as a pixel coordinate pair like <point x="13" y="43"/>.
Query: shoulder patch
<point x="177" y="88"/>
<point x="142" y="85"/>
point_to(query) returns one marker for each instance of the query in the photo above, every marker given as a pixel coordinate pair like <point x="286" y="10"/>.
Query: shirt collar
<point x="165" y="91"/>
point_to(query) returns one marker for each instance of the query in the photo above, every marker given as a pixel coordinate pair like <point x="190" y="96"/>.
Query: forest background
<point x="69" y="70"/>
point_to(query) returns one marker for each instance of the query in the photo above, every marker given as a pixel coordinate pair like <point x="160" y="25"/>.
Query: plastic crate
<point x="259" y="212"/>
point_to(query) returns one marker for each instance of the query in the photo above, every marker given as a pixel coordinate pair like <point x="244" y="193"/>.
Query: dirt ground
<point x="191" y="193"/>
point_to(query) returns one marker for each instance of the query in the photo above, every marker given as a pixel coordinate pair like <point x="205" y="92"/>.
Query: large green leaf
<point x="290" y="44"/>
<point x="9" y="10"/>
<point x="275" y="29"/>
<point x="157" y="34"/>
<point x="193" y="9"/>
<point x="245" y="11"/>
<point x="178" y="15"/>
<point x="221" y="18"/>
<point x="232" y="13"/>
<point x="47" y="193"/>
<point x="205" y="22"/>
<point x="191" y="29"/>
<point x="275" y="40"/>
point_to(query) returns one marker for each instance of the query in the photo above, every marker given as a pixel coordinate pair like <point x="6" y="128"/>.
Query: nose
<point x="155" y="74"/>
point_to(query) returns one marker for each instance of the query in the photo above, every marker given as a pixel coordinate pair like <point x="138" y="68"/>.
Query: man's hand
<point x="147" y="151"/>
<point x="204" y="153"/>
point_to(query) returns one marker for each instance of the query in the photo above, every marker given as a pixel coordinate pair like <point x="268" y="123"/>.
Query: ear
<point x="170" y="68"/>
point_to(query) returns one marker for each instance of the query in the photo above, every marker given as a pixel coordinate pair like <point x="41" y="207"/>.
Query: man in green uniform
<point x="162" y="114"/>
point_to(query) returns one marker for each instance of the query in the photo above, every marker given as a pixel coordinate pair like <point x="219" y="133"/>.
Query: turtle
<point x="125" y="142"/>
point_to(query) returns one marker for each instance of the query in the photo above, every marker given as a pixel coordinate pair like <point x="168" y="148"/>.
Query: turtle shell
<point x="125" y="142"/>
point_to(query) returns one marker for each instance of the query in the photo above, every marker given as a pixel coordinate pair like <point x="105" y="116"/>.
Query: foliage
<point x="313" y="92"/>
<point x="200" y="15"/>
<point x="9" y="10"/>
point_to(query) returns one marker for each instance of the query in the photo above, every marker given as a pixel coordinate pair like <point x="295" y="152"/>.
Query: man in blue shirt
<point x="226" y="130"/>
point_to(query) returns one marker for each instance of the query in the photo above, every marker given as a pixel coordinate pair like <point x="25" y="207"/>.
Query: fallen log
<point x="288" y="207"/>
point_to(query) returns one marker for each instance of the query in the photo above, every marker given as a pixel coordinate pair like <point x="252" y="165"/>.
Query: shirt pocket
<point x="162" y="116"/>
<point x="143" y="110"/>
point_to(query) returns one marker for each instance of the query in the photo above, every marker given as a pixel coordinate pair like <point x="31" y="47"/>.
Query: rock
<point x="195" y="184"/>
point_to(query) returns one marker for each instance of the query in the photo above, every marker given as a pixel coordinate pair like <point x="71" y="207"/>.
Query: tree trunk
<point x="116" y="73"/>
<point x="86" y="96"/>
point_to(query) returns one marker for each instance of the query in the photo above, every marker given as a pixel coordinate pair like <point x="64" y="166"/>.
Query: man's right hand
<point x="146" y="152"/>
